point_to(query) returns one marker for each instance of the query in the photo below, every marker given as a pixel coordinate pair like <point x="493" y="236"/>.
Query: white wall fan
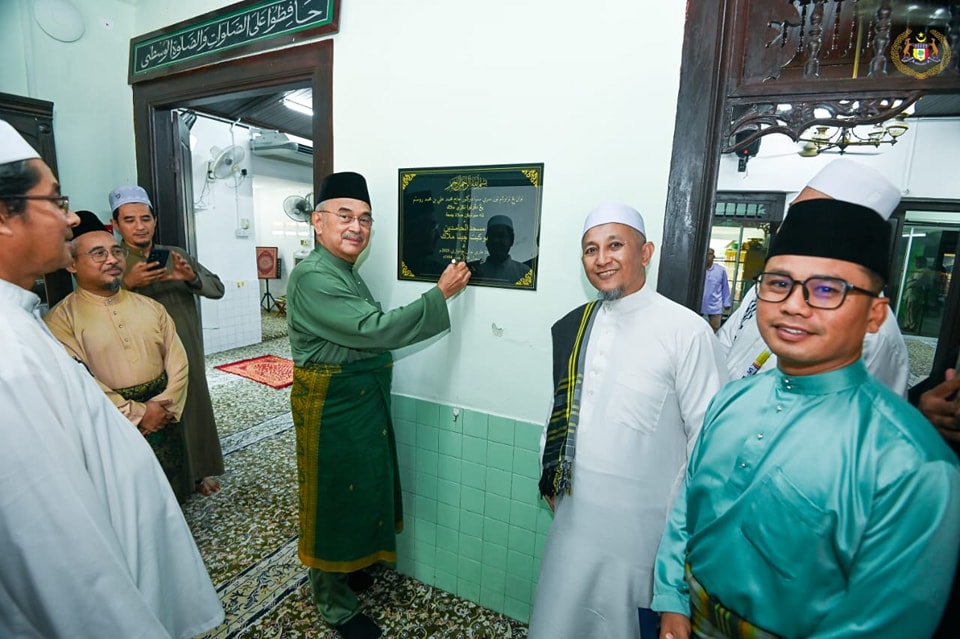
<point x="225" y="162"/>
<point x="298" y="208"/>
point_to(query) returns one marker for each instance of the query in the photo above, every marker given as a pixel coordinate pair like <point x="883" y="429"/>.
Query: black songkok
<point x="837" y="230"/>
<point x="88" y="222"/>
<point x="344" y="184"/>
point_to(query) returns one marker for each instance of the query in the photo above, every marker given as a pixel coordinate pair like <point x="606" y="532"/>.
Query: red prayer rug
<point x="275" y="372"/>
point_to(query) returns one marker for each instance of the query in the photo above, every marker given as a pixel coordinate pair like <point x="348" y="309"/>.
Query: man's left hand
<point x="941" y="406"/>
<point x="182" y="271"/>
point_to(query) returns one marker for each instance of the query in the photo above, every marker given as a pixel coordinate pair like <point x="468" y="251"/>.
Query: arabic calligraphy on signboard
<point x="249" y="24"/>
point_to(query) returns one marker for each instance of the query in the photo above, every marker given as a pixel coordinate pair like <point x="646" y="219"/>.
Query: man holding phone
<point x="175" y="279"/>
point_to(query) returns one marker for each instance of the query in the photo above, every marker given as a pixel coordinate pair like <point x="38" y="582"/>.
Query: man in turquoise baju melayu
<point x="340" y="339"/>
<point x="818" y="503"/>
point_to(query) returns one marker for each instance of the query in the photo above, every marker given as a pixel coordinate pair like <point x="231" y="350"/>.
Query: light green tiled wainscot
<point x="474" y="522"/>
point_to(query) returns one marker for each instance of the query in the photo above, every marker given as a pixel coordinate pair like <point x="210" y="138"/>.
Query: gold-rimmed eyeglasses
<point x="99" y="254"/>
<point x="62" y="201"/>
<point x="365" y="220"/>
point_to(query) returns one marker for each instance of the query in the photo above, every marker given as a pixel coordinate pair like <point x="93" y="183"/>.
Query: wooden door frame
<point x="310" y="63"/>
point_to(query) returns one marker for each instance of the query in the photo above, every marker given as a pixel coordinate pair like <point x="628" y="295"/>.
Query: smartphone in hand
<point x="161" y="255"/>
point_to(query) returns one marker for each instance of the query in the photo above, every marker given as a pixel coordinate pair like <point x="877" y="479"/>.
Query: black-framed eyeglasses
<point x="819" y="292"/>
<point x="365" y="220"/>
<point x="99" y="254"/>
<point x="62" y="201"/>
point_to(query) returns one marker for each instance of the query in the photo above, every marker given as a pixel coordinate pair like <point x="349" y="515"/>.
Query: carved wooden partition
<point x="752" y="68"/>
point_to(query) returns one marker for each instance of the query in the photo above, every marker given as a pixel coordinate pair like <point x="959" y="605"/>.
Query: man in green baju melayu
<point x="340" y="338"/>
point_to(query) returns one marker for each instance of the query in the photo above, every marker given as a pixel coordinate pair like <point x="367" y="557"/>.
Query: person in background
<point x="716" y="292"/>
<point x="128" y="342"/>
<point x="498" y="266"/>
<point x="340" y="339"/>
<point x="633" y="373"/>
<point x="177" y="288"/>
<point x="884" y="351"/>
<point x="94" y="543"/>
<point x="818" y="502"/>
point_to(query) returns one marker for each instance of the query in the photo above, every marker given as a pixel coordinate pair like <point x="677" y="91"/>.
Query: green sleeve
<point x="328" y="307"/>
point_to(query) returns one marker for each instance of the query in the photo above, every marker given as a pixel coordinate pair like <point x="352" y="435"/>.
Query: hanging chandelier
<point x="826" y="138"/>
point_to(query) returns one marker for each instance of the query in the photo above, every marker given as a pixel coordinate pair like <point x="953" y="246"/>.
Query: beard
<point x="612" y="295"/>
<point x="112" y="286"/>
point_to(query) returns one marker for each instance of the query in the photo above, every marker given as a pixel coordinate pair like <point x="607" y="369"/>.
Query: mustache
<point x="348" y="235"/>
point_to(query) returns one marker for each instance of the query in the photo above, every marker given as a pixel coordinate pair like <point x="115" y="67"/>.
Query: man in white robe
<point x="884" y="352"/>
<point x="633" y="376"/>
<point x="94" y="543"/>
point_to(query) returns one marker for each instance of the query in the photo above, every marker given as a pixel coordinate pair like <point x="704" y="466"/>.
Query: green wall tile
<point x="474" y="424"/>
<point x="425" y="532"/>
<point x="525" y="489"/>
<point x="471" y="547"/>
<point x="448" y="515"/>
<point x="500" y="456"/>
<point x="526" y="463"/>
<point x="469" y="590"/>
<point x="405" y="431"/>
<point x="474" y="449"/>
<point x="428" y="413"/>
<point x="424" y="553"/>
<point x="491" y="598"/>
<point x="447" y="562"/>
<point x="494" y="579"/>
<point x="544" y="517"/>
<point x="518" y="588"/>
<point x="469" y="570"/>
<point x="428" y="438"/>
<point x="426" y="485"/>
<point x="471" y="499"/>
<point x="527" y="436"/>
<point x="500" y="429"/>
<point x="449" y="467"/>
<point x="495" y="556"/>
<point x="516" y="609"/>
<point x="450" y="443"/>
<point x="424" y="508"/>
<point x="471" y="523"/>
<point x="405" y="407"/>
<point x="520" y="564"/>
<point x="424" y="572"/>
<point x="447" y="580"/>
<point x="473" y="475"/>
<point x="495" y="532"/>
<point x="448" y="539"/>
<point x="426" y="461"/>
<point x="448" y="492"/>
<point x="499" y="482"/>
<point x="523" y="515"/>
<point x="523" y="540"/>
<point x="497" y="507"/>
<point x="405" y="454"/>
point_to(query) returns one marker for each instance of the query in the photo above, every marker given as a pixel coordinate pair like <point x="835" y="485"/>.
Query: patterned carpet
<point x="247" y="533"/>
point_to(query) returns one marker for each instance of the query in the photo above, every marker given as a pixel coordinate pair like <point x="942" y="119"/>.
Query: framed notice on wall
<point x="268" y="266"/>
<point x="488" y="216"/>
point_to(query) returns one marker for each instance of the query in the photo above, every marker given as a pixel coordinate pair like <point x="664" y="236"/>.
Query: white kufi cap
<point x="13" y="148"/>
<point x="614" y="214"/>
<point x="853" y="182"/>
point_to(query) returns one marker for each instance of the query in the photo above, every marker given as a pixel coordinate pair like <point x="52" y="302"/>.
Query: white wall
<point x="577" y="87"/>
<point x="87" y="82"/>
<point x="273" y="226"/>
<point x="222" y="207"/>
<point x="917" y="163"/>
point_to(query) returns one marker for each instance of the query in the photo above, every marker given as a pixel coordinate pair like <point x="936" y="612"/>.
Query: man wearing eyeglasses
<point x="340" y="339"/>
<point x="129" y="342"/>
<point x="94" y="543"/>
<point x="884" y="352"/>
<point x="818" y="502"/>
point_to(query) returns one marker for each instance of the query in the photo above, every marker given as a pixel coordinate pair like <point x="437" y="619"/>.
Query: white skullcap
<point x="502" y="220"/>
<point x="614" y="214"/>
<point x="128" y="194"/>
<point x="13" y="147"/>
<point x="853" y="182"/>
